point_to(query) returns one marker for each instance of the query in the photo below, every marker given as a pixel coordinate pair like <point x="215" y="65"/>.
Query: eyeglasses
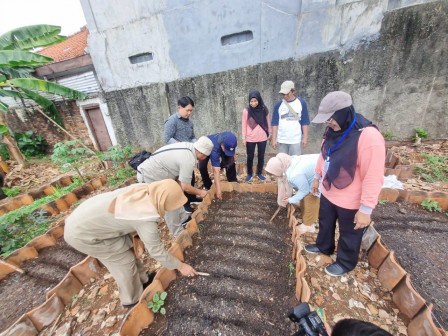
<point x="329" y="120"/>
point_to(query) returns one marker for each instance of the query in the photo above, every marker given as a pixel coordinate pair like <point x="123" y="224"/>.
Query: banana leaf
<point x="26" y="38"/>
<point x="49" y="87"/>
<point x="48" y="105"/>
<point x="17" y="58"/>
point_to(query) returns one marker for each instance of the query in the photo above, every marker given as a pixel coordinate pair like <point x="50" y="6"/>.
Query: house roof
<point x="73" y="47"/>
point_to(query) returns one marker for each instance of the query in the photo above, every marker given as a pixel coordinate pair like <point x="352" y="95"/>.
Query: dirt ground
<point x="21" y="293"/>
<point x="97" y="310"/>
<point x="419" y="239"/>
<point x="249" y="290"/>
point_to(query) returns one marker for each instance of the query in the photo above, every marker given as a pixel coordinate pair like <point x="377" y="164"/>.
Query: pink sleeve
<point x="371" y="161"/>
<point x="244" y="126"/>
<point x="320" y="163"/>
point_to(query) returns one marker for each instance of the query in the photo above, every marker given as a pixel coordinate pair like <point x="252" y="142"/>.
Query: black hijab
<point x="257" y="115"/>
<point x="343" y="158"/>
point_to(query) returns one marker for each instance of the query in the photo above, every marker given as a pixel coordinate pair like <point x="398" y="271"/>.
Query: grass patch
<point x="434" y="168"/>
<point x="19" y="226"/>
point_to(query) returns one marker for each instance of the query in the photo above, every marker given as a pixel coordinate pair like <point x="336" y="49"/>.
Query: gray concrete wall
<point x="400" y="81"/>
<point x="184" y="36"/>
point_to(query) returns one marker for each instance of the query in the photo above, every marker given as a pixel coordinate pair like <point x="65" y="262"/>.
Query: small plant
<point x="431" y="206"/>
<point x="158" y="300"/>
<point x="31" y="145"/>
<point x="382" y="202"/>
<point x="120" y="176"/>
<point x="4" y="151"/>
<point x="434" y="168"/>
<point x="14" y="191"/>
<point x="291" y="269"/>
<point x="74" y="297"/>
<point x="70" y="155"/>
<point x="116" y="154"/>
<point x="419" y="134"/>
<point x="200" y="228"/>
<point x="387" y="135"/>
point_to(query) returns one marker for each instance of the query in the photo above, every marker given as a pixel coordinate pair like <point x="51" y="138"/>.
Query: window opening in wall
<point x="237" y="38"/>
<point x="141" y="58"/>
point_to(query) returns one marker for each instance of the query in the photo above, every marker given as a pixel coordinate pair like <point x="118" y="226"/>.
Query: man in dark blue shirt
<point x="222" y="156"/>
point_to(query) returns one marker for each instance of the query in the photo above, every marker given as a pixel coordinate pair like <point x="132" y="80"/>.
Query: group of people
<point x="340" y="184"/>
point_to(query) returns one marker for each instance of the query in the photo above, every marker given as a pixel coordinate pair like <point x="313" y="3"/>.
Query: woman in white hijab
<point x="296" y="173"/>
<point x="101" y="225"/>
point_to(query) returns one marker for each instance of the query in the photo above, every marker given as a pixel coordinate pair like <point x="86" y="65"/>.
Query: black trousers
<point x="250" y="148"/>
<point x="349" y="242"/>
<point x="230" y="170"/>
<point x="190" y="197"/>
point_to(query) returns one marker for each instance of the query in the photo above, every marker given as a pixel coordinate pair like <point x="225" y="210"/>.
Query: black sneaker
<point x="151" y="277"/>
<point x="129" y="306"/>
<point x="312" y="248"/>
<point x="335" y="270"/>
<point x="188" y="208"/>
<point x="184" y="224"/>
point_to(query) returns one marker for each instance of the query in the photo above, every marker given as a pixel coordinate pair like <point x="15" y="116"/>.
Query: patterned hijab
<point x="278" y="166"/>
<point x="148" y="202"/>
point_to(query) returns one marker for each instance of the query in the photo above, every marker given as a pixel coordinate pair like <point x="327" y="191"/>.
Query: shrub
<point x="431" y="206"/>
<point x="31" y="145"/>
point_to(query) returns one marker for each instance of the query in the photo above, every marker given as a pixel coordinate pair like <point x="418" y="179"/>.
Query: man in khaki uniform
<point x="177" y="162"/>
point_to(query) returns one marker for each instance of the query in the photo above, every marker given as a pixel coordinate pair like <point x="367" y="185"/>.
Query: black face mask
<point x="226" y="161"/>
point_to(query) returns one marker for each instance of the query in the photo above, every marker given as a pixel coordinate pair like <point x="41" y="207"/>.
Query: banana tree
<point x="18" y="62"/>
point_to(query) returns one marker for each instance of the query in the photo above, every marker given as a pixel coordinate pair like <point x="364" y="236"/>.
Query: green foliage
<point x="11" y="192"/>
<point x="434" y="168"/>
<point x="419" y="134"/>
<point x="18" y="62"/>
<point x="432" y="206"/>
<point x="158" y="300"/>
<point x="19" y="226"/>
<point x="291" y="269"/>
<point x="19" y="232"/>
<point x="116" y="154"/>
<point x="31" y="145"/>
<point x="70" y="155"/>
<point x="387" y="135"/>
<point x="4" y="151"/>
<point x="200" y="228"/>
<point x="120" y="176"/>
<point x="382" y="202"/>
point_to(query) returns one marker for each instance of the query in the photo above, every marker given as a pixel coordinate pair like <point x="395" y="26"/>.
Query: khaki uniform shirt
<point x="176" y="164"/>
<point x="93" y="230"/>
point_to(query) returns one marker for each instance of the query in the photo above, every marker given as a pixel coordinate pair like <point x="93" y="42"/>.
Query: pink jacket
<point x="369" y="175"/>
<point x="257" y="134"/>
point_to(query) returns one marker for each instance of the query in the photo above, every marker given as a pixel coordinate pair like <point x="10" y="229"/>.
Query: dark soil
<point x="419" y="239"/>
<point x="249" y="290"/>
<point x="21" y="293"/>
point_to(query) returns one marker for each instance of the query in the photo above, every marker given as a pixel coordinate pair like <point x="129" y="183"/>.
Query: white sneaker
<point x="302" y="228"/>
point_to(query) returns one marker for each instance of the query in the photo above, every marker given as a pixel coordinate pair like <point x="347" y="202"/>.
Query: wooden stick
<point x="275" y="213"/>
<point x="18" y="269"/>
<point x="203" y="273"/>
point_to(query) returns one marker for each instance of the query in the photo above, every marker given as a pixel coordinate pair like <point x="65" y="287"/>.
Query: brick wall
<point x="21" y="119"/>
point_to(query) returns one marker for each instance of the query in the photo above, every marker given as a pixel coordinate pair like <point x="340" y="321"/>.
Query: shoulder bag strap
<point x="294" y="113"/>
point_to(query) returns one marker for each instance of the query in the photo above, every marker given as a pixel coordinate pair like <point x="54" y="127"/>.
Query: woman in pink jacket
<point x="256" y="131"/>
<point x="351" y="166"/>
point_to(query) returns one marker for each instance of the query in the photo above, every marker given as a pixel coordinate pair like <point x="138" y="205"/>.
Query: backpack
<point x="138" y="159"/>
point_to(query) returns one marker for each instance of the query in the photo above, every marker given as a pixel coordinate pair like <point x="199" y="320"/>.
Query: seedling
<point x="74" y="297"/>
<point x="419" y="134"/>
<point x="12" y="192"/>
<point x="387" y="135"/>
<point x="291" y="269"/>
<point x="158" y="300"/>
<point x="431" y="206"/>
<point x="382" y="202"/>
<point x="200" y="228"/>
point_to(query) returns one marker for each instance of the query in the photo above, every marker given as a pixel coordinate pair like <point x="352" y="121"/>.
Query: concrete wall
<point x="184" y="37"/>
<point x="400" y="81"/>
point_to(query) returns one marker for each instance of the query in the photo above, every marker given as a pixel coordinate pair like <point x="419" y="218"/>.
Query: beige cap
<point x="204" y="145"/>
<point x="286" y="87"/>
<point x="331" y="103"/>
